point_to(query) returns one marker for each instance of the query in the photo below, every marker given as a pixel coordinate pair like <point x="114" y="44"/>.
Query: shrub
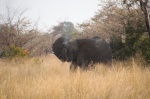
<point x="131" y="46"/>
<point x="14" y="51"/>
<point x="145" y="49"/>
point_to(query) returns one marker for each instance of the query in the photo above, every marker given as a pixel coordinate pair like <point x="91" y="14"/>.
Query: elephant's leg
<point x="73" y="66"/>
<point x="82" y="62"/>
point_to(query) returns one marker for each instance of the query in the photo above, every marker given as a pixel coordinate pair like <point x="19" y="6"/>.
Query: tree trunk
<point x="146" y="14"/>
<point x="147" y="22"/>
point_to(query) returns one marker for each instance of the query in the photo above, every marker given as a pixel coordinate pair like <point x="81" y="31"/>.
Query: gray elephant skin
<point x="82" y="52"/>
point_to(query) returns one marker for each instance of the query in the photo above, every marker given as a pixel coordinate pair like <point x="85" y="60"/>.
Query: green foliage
<point x="124" y="50"/>
<point x="117" y="46"/>
<point x="135" y="41"/>
<point x="145" y="49"/>
<point x="14" y="51"/>
<point x="133" y="45"/>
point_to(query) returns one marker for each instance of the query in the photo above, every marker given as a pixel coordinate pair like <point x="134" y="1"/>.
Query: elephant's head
<point x="71" y="49"/>
<point x="59" y="49"/>
<point x="65" y="49"/>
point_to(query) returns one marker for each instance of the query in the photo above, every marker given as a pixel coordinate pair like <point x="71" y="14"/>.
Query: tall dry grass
<point x="48" y="78"/>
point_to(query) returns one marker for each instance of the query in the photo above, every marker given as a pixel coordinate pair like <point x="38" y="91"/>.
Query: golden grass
<point x="48" y="78"/>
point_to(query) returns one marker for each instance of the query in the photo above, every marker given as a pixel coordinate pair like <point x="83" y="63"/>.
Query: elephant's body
<point x="82" y="52"/>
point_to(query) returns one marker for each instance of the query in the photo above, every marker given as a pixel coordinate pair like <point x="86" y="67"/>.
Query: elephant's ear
<point x="66" y="44"/>
<point x="64" y="54"/>
<point x="64" y="51"/>
<point x="74" y="45"/>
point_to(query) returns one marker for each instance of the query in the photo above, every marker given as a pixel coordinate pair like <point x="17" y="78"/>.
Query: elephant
<point x="82" y="52"/>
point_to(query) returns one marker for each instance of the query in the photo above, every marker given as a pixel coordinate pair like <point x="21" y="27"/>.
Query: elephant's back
<point x="96" y="49"/>
<point x="85" y="43"/>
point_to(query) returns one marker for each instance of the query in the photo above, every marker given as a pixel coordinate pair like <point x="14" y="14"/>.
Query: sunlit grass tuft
<point x="48" y="78"/>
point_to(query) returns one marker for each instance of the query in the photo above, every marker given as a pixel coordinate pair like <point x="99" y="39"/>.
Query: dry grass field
<point x="48" y="78"/>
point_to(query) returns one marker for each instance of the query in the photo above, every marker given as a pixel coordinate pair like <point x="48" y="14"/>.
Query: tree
<point x="145" y="7"/>
<point x="65" y="29"/>
<point x="16" y="30"/>
<point x="113" y="20"/>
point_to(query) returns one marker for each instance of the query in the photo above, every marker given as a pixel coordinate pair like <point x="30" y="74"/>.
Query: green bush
<point x="135" y="41"/>
<point x="131" y="46"/>
<point x="117" y="47"/>
<point x="14" y="51"/>
<point x="145" y="49"/>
